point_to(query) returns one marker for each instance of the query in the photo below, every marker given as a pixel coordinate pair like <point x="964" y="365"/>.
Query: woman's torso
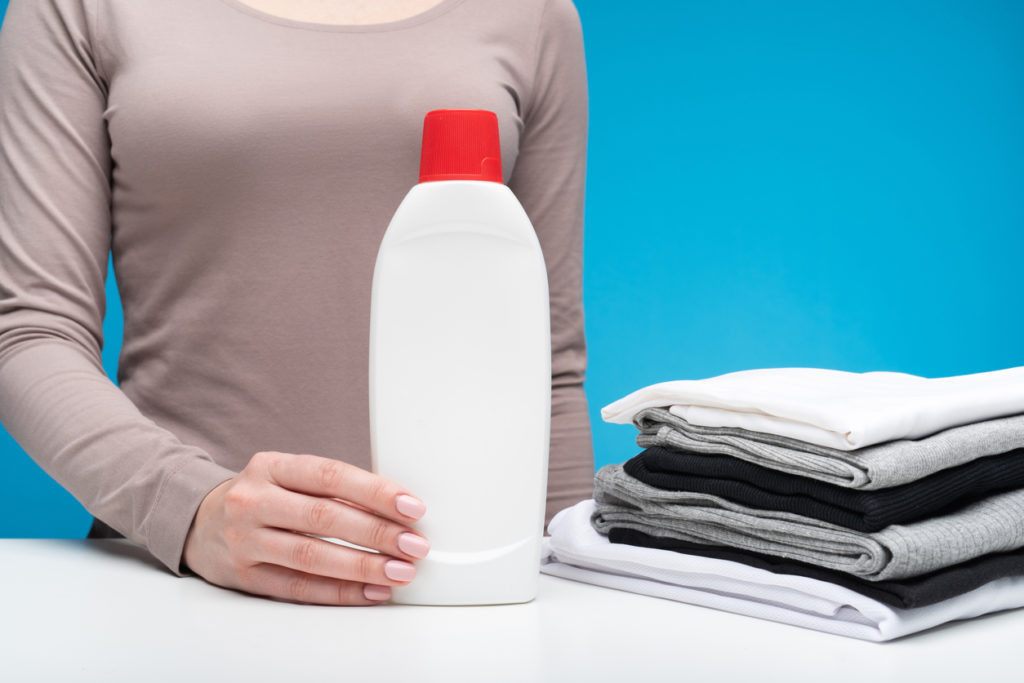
<point x="257" y="162"/>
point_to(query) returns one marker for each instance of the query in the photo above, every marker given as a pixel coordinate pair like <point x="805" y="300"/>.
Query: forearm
<point x="86" y="433"/>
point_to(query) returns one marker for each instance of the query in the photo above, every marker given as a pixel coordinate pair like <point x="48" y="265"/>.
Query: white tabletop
<point x="105" y="610"/>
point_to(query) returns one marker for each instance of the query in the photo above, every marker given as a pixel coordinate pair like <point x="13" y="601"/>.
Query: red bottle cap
<point x="460" y="144"/>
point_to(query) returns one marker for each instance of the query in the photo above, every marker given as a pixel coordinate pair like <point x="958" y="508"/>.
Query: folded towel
<point x="576" y="551"/>
<point x="766" y="489"/>
<point x="889" y="464"/>
<point x="995" y="524"/>
<point x="841" y="410"/>
<point x="917" y="591"/>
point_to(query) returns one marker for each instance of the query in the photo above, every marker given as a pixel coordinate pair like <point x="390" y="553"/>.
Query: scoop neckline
<point x="427" y="15"/>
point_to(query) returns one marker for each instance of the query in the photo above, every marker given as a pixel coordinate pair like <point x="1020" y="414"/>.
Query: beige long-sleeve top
<point x="242" y="169"/>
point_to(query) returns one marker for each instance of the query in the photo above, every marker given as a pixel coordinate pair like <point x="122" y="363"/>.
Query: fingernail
<point x="410" y="507"/>
<point x="374" y="592"/>
<point x="414" y="545"/>
<point x="397" y="570"/>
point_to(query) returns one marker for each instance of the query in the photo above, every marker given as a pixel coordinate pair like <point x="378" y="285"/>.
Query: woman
<point x="241" y="159"/>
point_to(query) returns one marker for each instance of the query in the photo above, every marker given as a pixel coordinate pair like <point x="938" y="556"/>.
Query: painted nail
<point x="374" y="592"/>
<point x="397" y="570"/>
<point x="410" y="507"/>
<point x="414" y="545"/>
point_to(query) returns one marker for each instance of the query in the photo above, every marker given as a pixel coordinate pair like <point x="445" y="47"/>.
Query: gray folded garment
<point x="995" y="524"/>
<point x="874" y="467"/>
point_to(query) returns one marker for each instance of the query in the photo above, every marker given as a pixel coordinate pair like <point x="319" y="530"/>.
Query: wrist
<point x="195" y="530"/>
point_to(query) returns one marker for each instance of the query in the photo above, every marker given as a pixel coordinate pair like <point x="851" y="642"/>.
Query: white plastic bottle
<point x="460" y="369"/>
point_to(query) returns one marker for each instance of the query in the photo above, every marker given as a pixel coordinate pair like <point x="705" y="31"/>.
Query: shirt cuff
<point x="176" y="506"/>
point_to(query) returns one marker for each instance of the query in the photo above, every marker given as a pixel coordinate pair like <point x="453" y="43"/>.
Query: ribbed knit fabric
<point x="918" y="591"/>
<point x="766" y="489"/>
<point x="995" y="524"/>
<point x="875" y="467"/>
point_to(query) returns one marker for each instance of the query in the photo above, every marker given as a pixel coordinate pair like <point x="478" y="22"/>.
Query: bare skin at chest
<point x="350" y="12"/>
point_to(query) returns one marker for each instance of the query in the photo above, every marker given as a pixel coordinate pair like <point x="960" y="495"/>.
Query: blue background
<point x="785" y="183"/>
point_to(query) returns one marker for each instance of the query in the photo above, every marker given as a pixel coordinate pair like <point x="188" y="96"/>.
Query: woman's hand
<point x="244" y="532"/>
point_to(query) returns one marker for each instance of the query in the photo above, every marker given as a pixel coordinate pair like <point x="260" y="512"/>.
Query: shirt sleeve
<point x="548" y="179"/>
<point x="55" y="230"/>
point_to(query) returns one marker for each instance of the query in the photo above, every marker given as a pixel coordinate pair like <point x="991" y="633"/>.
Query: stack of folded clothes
<point x="871" y="505"/>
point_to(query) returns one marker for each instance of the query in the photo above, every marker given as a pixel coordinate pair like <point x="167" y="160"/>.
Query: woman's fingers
<point x="334" y="519"/>
<point x="295" y="586"/>
<point x="310" y="555"/>
<point x="257" y="532"/>
<point x="327" y="478"/>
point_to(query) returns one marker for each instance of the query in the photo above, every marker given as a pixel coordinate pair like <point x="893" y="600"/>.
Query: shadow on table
<point x="127" y="550"/>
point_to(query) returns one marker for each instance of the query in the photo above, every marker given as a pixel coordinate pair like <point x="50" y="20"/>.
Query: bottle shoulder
<point x="453" y="206"/>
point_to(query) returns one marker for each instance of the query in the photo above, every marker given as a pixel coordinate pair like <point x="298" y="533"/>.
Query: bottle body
<point x="460" y="387"/>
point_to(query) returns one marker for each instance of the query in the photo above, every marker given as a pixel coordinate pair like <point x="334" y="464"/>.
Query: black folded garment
<point x="917" y="591"/>
<point x="760" y="487"/>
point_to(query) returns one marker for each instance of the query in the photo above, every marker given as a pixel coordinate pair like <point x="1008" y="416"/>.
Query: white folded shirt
<point x="842" y="410"/>
<point x="576" y="551"/>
